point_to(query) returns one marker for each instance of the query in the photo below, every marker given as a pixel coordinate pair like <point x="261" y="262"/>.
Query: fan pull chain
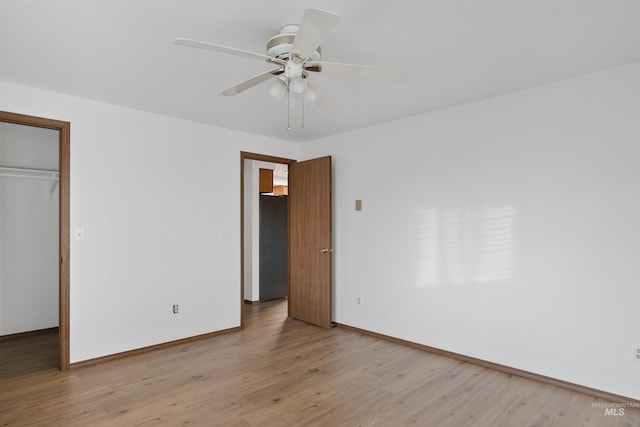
<point x="288" y="108"/>
<point x="302" y="122"/>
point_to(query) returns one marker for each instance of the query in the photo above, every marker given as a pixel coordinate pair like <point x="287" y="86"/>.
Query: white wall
<point x="28" y="232"/>
<point x="159" y="199"/>
<point x="505" y="230"/>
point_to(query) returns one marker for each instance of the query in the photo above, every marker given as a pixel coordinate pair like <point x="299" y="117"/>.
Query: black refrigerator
<point x="273" y="247"/>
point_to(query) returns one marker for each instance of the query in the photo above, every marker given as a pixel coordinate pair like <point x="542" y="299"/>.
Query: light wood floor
<point x="280" y="372"/>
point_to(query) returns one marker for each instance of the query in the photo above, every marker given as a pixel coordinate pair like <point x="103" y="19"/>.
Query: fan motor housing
<point x="279" y="46"/>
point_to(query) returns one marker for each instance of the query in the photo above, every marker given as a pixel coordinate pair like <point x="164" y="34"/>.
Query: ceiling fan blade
<point x="225" y="49"/>
<point x="394" y="74"/>
<point x="315" y="25"/>
<point x="242" y="86"/>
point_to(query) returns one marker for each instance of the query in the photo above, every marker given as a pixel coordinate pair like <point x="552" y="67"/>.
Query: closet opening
<point x="34" y="230"/>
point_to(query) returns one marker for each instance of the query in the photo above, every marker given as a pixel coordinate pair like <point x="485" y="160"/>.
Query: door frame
<point x="244" y="155"/>
<point x="63" y="129"/>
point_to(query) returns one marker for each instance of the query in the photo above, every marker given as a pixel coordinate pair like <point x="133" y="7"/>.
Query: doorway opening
<point x="264" y="228"/>
<point x="63" y="129"/>
<point x="309" y="248"/>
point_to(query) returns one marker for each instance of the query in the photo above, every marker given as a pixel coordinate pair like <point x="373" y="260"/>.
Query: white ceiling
<point x="455" y="51"/>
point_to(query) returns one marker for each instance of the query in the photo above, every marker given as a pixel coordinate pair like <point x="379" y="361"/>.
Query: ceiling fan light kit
<point x="296" y="52"/>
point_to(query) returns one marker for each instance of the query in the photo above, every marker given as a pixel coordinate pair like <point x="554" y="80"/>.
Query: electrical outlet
<point x="176" y="308"/>
<point x="637" y="355"/>
<point x="359" y="300"/>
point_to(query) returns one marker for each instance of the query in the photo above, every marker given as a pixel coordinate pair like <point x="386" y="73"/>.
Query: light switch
<point x="78" y="234"/>
<point x="358" y="205"/>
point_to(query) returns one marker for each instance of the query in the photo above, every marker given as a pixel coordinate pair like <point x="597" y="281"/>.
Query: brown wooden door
<point x="310" y="241"/>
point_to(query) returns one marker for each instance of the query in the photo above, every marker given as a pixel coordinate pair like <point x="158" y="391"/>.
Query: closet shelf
<point x="29" y="173"/>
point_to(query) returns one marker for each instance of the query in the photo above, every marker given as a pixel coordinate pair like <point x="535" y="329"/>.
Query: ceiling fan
<point x="296" y="52"/>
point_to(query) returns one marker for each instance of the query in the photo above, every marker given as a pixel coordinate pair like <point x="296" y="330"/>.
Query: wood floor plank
<point x="281" y="372"/>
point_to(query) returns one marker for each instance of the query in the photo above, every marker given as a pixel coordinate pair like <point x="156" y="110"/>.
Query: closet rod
<point x="29" y="173"/>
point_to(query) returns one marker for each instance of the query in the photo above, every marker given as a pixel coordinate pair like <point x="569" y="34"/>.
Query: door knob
<point x="325" y="250"/>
